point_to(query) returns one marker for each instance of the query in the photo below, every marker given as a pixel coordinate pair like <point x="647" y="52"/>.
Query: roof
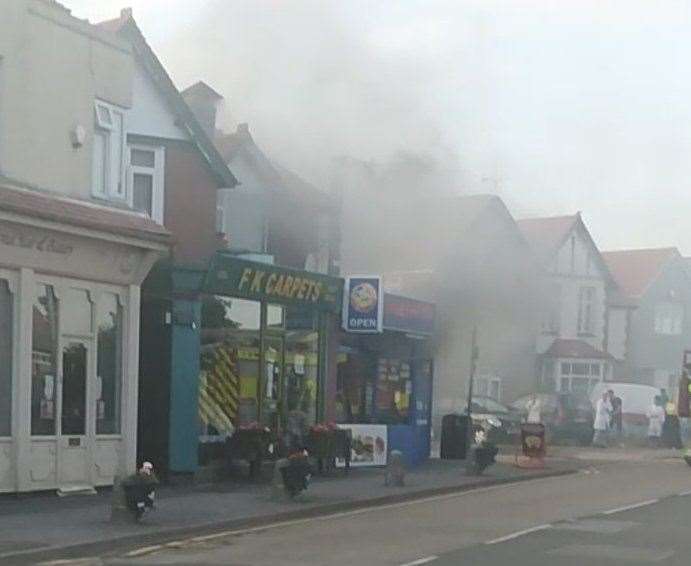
<point x="277" y="178"/>
<point x="635" y="270"/>
<point x="545" y="235"/>
<point x="126" y="27"/>
<point x="57" y="208"/>
<point x="569" y="348"/>
<point x="200" y="88"/>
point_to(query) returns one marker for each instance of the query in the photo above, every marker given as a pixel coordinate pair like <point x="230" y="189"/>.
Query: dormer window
<point x="107" y="158"/>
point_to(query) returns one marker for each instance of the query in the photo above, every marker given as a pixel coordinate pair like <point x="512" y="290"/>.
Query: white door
<point x="73" y="423"/>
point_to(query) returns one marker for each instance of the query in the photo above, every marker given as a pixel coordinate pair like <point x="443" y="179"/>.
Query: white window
<point x="107" y="154"/>
<point x="586" y="307"/>
<point x="145" y="180"/>
<point x="488" y="386"/>
<point x="580" y="376"/>
<point x="669" y="318"/>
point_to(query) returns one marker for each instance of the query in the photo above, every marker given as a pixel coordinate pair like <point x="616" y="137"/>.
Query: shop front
<point x="384" y="384"/>
<point x="69" y="325"/>
<point x="264" y="347"/>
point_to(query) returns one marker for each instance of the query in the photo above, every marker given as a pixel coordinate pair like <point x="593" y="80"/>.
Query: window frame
<point x="115" y="134"/>
<point x="11" y="279"/>
<point x="668" y="318"/>
<point x="157" y="174"/>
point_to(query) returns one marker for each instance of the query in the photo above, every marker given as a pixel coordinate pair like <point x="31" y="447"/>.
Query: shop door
<point x="422" y="410"/>
<point x="73" y="453"/>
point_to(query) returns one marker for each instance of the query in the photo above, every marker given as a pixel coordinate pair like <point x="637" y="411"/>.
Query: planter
<point x="296" y="474"/>
<point x="482" y="457"/>
<point x="323" y="442"/>
<point x="251" y="444"/>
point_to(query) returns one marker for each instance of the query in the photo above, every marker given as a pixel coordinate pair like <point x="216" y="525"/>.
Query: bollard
<point x="119" y="512"/>
<point x="395" y="470"/>
<point x="277" y="485"/>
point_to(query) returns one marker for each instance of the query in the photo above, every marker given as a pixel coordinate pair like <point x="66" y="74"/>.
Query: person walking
<point x="656" y="418"/>
<point x="603" y="412"/>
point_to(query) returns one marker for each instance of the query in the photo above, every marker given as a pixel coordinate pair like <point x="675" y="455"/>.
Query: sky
<point x="558" y="107"/>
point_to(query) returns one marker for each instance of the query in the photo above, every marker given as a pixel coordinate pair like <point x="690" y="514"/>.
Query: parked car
<point x="500" y="422"/>
<point x="636" y="399"/>
<point x="566" y="416"/>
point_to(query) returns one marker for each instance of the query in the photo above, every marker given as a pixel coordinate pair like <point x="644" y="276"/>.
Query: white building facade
<point x="80" y="228"/>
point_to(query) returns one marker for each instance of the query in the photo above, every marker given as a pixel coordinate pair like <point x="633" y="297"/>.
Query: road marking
<point x="684" y="493"/>
<point x="340" y="515"/>
<point x="419" y="561"/>
<point x="629" y="507"/>
<point x="518" y="534"/>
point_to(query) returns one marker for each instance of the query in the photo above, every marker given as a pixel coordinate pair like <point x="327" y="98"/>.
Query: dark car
<point x="566" y="416"/>
<point x="501" y="423"/>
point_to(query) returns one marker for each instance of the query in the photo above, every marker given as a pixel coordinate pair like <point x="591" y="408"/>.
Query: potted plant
<point x="251" y="442"/>
<point x="296" y="473"/>
<point x="483" y="454"/>
<point x="322" y="443"/>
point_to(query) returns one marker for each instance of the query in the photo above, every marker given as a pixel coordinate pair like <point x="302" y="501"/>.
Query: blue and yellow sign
<point x="363" y="305"/>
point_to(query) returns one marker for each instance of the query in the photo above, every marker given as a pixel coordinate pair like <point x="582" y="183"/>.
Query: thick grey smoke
<point x="557" y="106"/>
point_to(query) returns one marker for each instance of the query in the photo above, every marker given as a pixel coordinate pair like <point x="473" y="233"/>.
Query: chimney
<point x="204" y="102"/>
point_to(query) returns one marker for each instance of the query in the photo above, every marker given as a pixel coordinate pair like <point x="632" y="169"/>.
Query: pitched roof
<point x="126" y="27"/>
<point x="570" y="348"/>
<point x="278" y="179"/>
<point x="58" y="208"/>
<point x="200" y="88"/>
<point x="635" y="270"/>
<point x="545" y="235"/>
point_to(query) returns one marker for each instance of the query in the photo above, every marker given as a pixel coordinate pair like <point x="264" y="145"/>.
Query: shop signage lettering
<point x="237" y="277"/>
<point x="279" y="285"/>
<point x="43" y="243"/>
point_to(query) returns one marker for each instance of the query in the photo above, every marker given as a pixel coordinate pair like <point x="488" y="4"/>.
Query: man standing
<point x="603" y="412"/>
<point x="617" y="416"/>
<point x="656" y="418"/>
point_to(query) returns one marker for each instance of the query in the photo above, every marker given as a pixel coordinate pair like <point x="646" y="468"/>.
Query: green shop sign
<point x="253" y="280"/>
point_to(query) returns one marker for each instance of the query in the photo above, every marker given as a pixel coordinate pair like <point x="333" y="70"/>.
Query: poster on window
<point x="369" y="447"/>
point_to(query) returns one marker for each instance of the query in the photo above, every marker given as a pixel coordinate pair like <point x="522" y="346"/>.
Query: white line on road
<point x="419" y="561"/>
<point x="518" y="534"/>
<point x="629" y="507"/>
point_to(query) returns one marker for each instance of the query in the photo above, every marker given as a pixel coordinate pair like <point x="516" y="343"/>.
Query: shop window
<point x="145" y="176"/>
<point x="44" y="344"/>
<point x="109" y="364"/>
<point x="394" y="391"/>
<point x="229" y="365"/>
<point x="355" y="389"/>
<point x="274" y="316"/>
<point x="107" y="153"/>
<point x="76" y="312"/>
<point x="6" y="321"/>
<point x="302" y="372"/>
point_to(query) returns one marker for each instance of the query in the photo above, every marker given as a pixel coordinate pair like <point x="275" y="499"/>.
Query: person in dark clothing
<point x="617" y="415"/>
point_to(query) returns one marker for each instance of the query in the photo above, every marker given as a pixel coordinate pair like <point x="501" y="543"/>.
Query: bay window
<point x="6" y="321"/>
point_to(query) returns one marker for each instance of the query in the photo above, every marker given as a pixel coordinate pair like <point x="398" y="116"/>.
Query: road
<point x="550" y="521"/>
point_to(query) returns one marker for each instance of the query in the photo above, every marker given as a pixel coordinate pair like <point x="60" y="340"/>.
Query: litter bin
<point x="454" y="437"/>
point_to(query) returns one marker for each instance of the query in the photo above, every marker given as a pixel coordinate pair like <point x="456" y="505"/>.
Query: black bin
<point x="454" y="437"/>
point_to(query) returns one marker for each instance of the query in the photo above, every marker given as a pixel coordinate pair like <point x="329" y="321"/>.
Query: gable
<point x="578" y="256"/>
<point x="150" y="114"/>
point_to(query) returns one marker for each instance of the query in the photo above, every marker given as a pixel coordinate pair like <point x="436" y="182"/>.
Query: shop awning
<point x="403" y="314"/>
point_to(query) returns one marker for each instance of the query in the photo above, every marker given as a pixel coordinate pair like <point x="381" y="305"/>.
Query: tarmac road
<point x="525" y="524"/>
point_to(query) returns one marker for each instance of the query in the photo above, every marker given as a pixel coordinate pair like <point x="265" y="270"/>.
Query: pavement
<point x="41" y="527"/>
<point x="628" y="510"/>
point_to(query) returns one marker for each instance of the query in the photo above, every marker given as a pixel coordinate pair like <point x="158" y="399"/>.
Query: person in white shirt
<point x="656" y="418"/>
<point x="603" y="415"/>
